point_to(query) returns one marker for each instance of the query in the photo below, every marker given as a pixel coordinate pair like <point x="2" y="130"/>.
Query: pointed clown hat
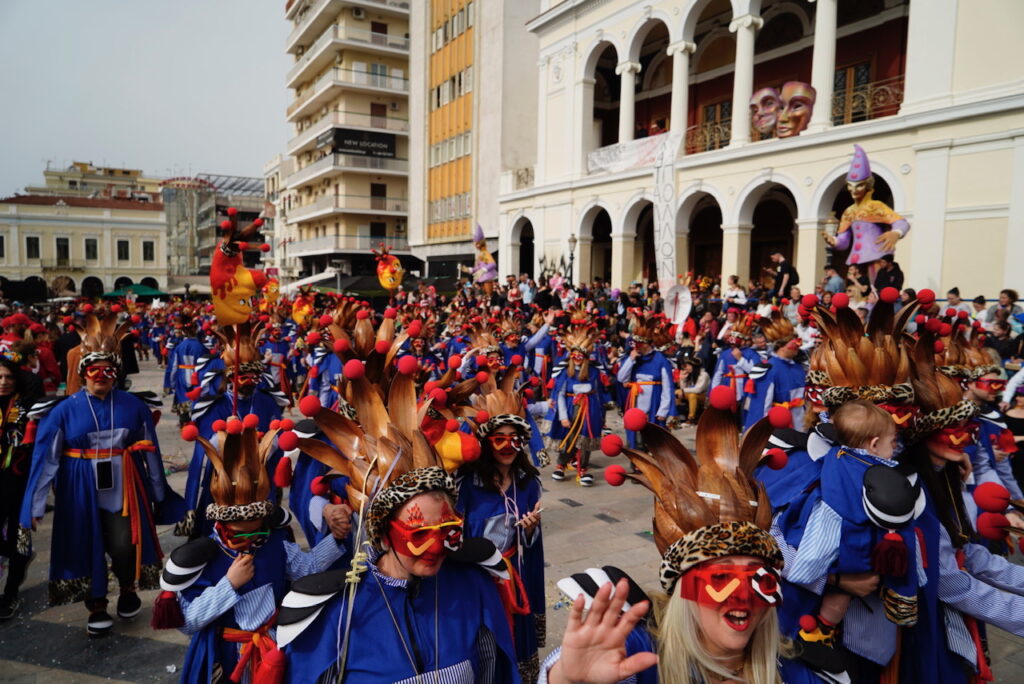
<point x="860" y="167"/>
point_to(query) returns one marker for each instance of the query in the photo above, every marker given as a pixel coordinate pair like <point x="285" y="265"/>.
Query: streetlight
<point x="572" y="254"/>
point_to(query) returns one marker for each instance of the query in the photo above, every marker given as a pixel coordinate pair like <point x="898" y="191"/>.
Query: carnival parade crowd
<point x="851" y="510"/>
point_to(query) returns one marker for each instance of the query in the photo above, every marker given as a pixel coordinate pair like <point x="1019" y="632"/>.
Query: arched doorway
<point x="705" y="256"/>
<point x="62" y="286"/>
<point x="92" y="287"/>
<point x="774" y="222"/>
<point x="653" y="99"/>
<point x="150" y="281"/>
<point x="645" y="245"/>
<point x="526" y="249"/>
<point x="604" y="123"/>
<point x="883" y="193"/>
<point x="595" y="258"/>
<point x="123" y="282"/>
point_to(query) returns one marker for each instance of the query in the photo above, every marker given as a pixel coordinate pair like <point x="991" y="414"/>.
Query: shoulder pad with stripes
<point x="148" y="398"/>
<point x="41" y="409"/>
<point x="307" y="598"/>
<point x="186" y="563"/>
<point x="587" y="583"/>
<point x="279" y="397"/>
<point x="759" y="371"/>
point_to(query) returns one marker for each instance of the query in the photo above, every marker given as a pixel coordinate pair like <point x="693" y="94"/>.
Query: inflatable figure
<point x="232" y="285"/>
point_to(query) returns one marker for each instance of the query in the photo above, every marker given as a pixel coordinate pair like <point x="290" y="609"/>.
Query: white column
<point x="1015" y="228"/>
<point x="584" y="132"/>
<point x="744" y="27"/>
<point x="627" y="99"/>
<point x="680" y="53"/>
<point x="823" y="64"/>
<point x="810" y="253"/>
<point x="736" y="252"/>
<point x="927" y="244"/>
<point x="539" y="169"/>
<point x="931" y="41"/>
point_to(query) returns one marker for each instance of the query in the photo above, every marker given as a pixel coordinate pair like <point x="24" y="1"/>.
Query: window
<point x="2" y="255"/>
<point x="123" y="251"/>
<point x="91" y="249"/>
<point x="32" y="247"/>
<point x="469" y="14"/>
<point x="148" y="251"/>
<point x="63" y="251"/>
<point x="467" y="79"/>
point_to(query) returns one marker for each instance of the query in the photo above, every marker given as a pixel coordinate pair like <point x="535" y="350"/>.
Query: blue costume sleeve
<point x="818" y="549"/>
<point x="209" y="605"/>
<point x="318" y="559"/>
<point x="994" y="570"/>
<point x="45" y="462"/>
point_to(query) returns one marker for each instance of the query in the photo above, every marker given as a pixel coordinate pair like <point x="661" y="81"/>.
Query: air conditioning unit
<point x="394" y="106"/>
<point x="358" y="13"/>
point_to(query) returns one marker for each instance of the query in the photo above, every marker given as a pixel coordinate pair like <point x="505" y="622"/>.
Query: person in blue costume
<point x="274" y="351"/>
<point x="736" y="358"/>
<point x="181" y="366"/>
<point x="157" y="335"/>
<point x="419" y="348"/>
<point x="719" y="570"/>
<point x="499" y="497"/>
<point x="98" y="448"/>
<point x="412" y="614"/>
<point x="241" y="396"/>
<point x="224" y="590"/>
<point x="647" y="374"/>
<point x="780" y="380"/>
<point x="577" y="408"/>
<point x="845" y="533"/>
<point x="515" y="343"/>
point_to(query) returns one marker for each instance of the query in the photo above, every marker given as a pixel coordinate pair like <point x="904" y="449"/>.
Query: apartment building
<point x="347" y="190"/>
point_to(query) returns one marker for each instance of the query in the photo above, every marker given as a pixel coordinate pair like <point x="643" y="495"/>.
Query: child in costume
<point x="223" y="590"/>
<point x="577" y="407"/>
<point x="647" y="374"/>
<point x="499" y="495"/>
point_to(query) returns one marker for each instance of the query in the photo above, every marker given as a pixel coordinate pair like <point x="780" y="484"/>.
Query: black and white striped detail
<point x="150" y="399"/>
<point x="890" y="498"/>
<point x="588" y="583"/>
<point x="41" y="409"/>
<point x="202" y="405"/>
<point x="759" y="371"/>
<point x="821" y="440"/>
<point x="481" y="551"/>
<point x="279" y="397"/>
<point x="993" y="417"/>
<point x="301" y="606"/>
<point x="186" y="563"/>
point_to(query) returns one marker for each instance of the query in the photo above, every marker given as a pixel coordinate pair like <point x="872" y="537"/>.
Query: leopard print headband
<point x="717" y="541"/>
<point x="405" y="487"/>
<point x="252" y="511"/>
<point x="95" y="357"/>
<point x="254" y="367"/>
<point x="819" y="377"/>
<point x="902" y="393"/>
<point x="959" y="412"/>
<point x="518" y="422"/>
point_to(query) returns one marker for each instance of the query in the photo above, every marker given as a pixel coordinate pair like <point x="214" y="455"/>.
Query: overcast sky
<point x="167" y="86"/>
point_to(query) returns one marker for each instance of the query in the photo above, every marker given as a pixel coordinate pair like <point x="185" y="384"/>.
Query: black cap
<point x="954" y="291"/>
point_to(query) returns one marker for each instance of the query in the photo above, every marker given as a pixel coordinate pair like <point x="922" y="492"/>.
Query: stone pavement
<point x="582" y="528"/>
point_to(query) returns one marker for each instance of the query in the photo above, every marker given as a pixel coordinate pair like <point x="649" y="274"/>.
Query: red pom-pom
<point x="167" y="612"/>
<point x="136" y="319"/>
<point x="87" y="308"/>
<point x="933" y="325"/>
<point x="481" y="361"/>
<point x="452" y="425"/>
<point x="723" y="398"/>
<point x="611" y="445"/>
<point x="634" y="419"/>
<point x="889" y="295"/>
<point x="288" y="441"/>
<point x="535" y="381"/>
<point x="382" y="346"/>
<point x="482" y="376"/>
<point x="962" y="314"/>
<point x="225" y="225"/>
<point x="219" y="425"/>
<point x="251" y="421"/>
<point x="326" y="320"/>
<point x="68" y="320"/>
<point x="920" y="319"/>
<point x="194" y="393"/>
<point x="516" y="360"/>
<point x="362" y="314"/>
<point x="258" y="223"/>
<point x="455" y="362"/>
<point x="234" y="426"/>
<point x="353" y="369"/>
<point x="310" y="405"/>
<point x="116" y="308"/>
<point x="615" y="475"/>
<point x="415" y="328"/>
<point x="926" y="297"/>
<point x="313" y="339"/>
<point x="439" y="396"/>
<point x="318" y="487"/>
<point x="992" y="497"/>
<point x="993" y="526"/>
<point x="528" y="393"/>
<point x="785" y="301"/>
<point x="429" y="386"/>
<point x="840" y="300"/>
<point x="232" y="211"/>
<point x="780" y="417"/>
<point x="808" y="623"/>
<point x="776" y="458"/>
<point x="482" y="417"/>
<point x="950" y="312"/>
<point x="189" y="433"/>
<point x="809" y="300"/>
<point x="283" y="471"/>
<point x="391" y="312"/>
<point x="287" y="424"/>
<point x="264" y="247"/>
<point x="407" y="365"/>
<point x="341" y="345"/>
<point x="275" y="424"/>
<point x="314" y="371"/>
<point x="939" y="347"/>
<point x="945" y="329"/>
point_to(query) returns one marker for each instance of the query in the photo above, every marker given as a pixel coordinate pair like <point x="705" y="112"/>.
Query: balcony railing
<point x="361" y="242"/>
<point x="342" y="203"/>
<point x="341" y="76"/>
<point x="342" y="118"/>
<point x="708" y="136"/>
<point x="347" y="161"/>
<point x="65" y="264"/>
<point x="867" y="101"/>
<point x="348" y="34"/>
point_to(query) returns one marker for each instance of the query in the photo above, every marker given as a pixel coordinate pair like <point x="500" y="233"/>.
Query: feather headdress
<point x="777" y="328"/>
<point x="939" y="396"/>
<point x="239" y="345"/>
<point x="708" y="510"/>
<point x="101" y="338"/>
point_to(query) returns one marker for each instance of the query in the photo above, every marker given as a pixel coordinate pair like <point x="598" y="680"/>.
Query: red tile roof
<point x="99" y="203"/>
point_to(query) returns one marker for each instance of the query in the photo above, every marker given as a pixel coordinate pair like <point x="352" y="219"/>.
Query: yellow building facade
<point x="646" y="152"/>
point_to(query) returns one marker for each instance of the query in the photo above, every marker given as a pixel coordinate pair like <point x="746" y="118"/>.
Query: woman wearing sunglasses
<point x="500" y="498"/>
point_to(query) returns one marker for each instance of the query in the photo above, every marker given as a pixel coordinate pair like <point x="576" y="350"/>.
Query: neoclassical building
<point x="646" y="152"/>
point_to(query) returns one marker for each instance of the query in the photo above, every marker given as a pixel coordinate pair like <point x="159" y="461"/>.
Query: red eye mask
<point x="956" y="437"/>
<point x="902" y="415"/>
<point x="736" y="587"/>
<point x="100" y="373"/>
<point x="425" y="541"/>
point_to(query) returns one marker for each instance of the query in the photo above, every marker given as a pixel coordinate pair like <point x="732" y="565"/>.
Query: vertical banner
<point x="664" y="212"/>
